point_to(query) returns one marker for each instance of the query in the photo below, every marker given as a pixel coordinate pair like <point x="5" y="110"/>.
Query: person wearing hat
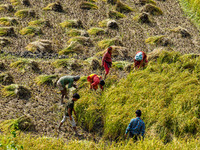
<point x="140" y="60"/>
<point x="95" y="80"/>
<point x="68" y="112"/>
<point x="107" y="61"/>
<point x="63" y="81"/>
<point x="136" y="127"/>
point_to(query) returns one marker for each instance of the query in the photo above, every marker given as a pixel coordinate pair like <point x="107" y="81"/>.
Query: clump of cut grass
<point x="103" y="23"/>
<point x="7" y="21"/>
<point x="74" y="32"/>
<point x="4" y="41"/>
<point x="74" y="47"/>
<point x="25" y="13"/>
<point x="6" y="8"/>
<point x="45" y="79"/>
<point x="9" y="90"/>
<point x="54" y="7"/>
<point x="30" y="30"/>
<point x="40" y="46"/>
<point x="6" y="31"/>
<point x="64" y="63"/>
<point x="155" y="40"/>
<point x="115" y="14"/>
<point x="96" y="31"/>
<point x="143" y="2"/>
<point x="152" y="9"/>
<point x="109" y="42"/>
<point x="81" y="39"/>
<point x="71" y="24"/>
<point x="88" y="5"/>
<point x="40" y="22"/>
<point x="22" y="123"/>
<point x="184" y="32"/>
<point x="20" y="64"/>
<point x="6" y="78"/>
<point x="15" y="2"/>
<point x="123" y="8"/>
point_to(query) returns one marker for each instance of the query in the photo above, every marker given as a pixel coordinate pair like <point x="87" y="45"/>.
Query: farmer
<point x="68" y="112"/>
<point x="136" y="127"/>
<point x="107" y="61"/>
<point x="140" y="60"/>
<point x="94" y="81"/>
<point x="63" y="81"/>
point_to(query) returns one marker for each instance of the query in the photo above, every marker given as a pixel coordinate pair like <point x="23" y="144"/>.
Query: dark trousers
<point x="134" y="136"/>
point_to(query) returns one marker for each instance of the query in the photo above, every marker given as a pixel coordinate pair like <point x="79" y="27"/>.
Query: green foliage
<point x="109" y="42"/>
<point x="123" y="8"/>
<point x="7" y="21"/>
<point x="167" y="85"/>
<point x="88" y="5"/>
<point x="30" y="30"/>
<point x="154" y="39"/>
<point x="96" y="31"/>
<point x="115" y="14"/>
<point x="9" y="90"/>
<point x="192" y="9"/>
<point x="49" y="6"/>
<point x="45" y="79"/>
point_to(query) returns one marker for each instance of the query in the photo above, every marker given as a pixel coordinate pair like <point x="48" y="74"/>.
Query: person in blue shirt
<point x="136" y="127"/>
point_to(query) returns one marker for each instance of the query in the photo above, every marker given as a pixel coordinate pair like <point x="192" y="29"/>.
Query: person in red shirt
<point x="107" y="61"/>
<point x="95" y="80"/>
<point x="140" y="60"/>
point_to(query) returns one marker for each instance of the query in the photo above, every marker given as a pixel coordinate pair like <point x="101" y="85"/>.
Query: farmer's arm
<point x="129" y="127"/>
<point x="69" y="113"/>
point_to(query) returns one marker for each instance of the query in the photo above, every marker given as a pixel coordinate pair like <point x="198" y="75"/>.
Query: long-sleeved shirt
<point x="67" y="80"/>
<point x="144" y="59"/>
<point x="94" y="80"/>
<point x="136" y="126"/>
<point x="107" y="58"/>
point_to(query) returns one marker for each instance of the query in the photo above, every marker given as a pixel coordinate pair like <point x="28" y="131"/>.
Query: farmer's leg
<point x="64" y="91"/>
<point x="62" y="121"/>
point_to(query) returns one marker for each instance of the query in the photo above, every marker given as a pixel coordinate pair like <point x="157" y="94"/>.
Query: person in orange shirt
<point x="95" y="80"/>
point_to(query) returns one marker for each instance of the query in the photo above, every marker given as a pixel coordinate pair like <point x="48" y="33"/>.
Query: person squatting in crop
<point x="95" y="80"/>
<point x="63" y="81"/>
<point x="107" y="61"/>
<point x="136" y="127"/>
<point x="68" y="112"/>
<point x="140" y="60"/>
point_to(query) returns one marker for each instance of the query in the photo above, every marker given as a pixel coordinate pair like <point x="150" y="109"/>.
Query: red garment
<point x="144" y="60"/>
<point x="107" y="58"/>
<point x="107" y="61"/>
<point x="94" y="80"/>
<point x="107" y="69"/>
